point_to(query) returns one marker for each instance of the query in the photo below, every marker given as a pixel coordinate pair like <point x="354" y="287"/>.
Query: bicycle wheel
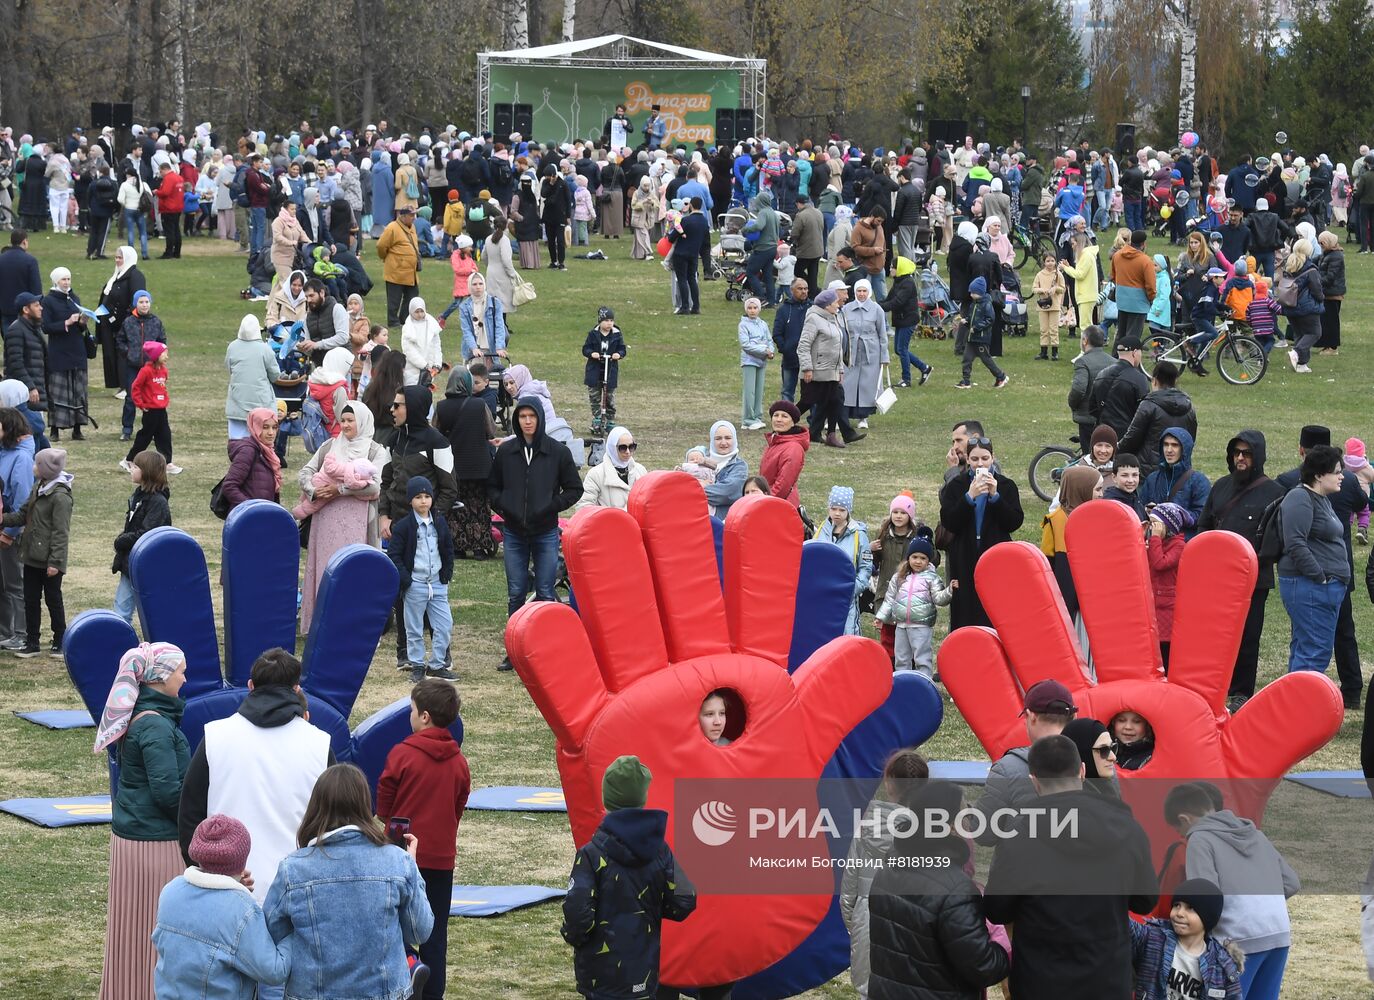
<point x="1046" y="468"/>
<point x="1157" y="345"/>
<point x="1020" y="259"/>
<point x="1241" y="360"/>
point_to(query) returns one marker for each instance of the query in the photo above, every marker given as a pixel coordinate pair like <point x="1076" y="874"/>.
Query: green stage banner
<point x="574" y="103"/>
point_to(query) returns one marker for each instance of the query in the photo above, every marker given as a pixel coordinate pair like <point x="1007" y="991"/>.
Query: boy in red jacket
<point x="426" y="779"/>
<point x="149" y="393"/>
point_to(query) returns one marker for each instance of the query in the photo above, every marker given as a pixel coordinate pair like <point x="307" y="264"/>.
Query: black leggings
<point x="39" y="586"/>
<point x="557" y="244"/>
<point x="154" y="429"/>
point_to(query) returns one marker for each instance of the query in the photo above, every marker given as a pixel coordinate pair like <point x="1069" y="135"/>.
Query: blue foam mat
<point x="492" y="900"/>
<point x="518" y="798"/>
<point x="1342" y="784"/>
<point x="961" y="772"/>
<point x="74" y="810"/>
<point x="59" y="718"/>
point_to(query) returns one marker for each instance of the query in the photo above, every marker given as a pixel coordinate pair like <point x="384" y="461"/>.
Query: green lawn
<point x="681" y="375"/>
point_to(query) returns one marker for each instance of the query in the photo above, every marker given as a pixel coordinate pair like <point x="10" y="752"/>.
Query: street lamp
<point x="920" y="120"/>
<point x="982" y="124"/>
<point x="1025" y="115"/>
<point x="1060" y="129"/>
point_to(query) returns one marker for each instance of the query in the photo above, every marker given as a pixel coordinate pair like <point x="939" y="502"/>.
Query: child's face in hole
<point x="750" y="488"/>
<point x="1103" y="452"/>
<point x="712" y="717"/>
<point x="1130" y="727"/>
<point x="1128" y="478"/>
<point x="919" y="562"/>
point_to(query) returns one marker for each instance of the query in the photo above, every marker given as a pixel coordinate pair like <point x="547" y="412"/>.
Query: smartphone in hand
<point x="396" y="829"/>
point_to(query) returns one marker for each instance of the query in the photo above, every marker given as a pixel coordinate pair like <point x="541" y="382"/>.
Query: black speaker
<point x="123" y="115"/>
<point x="1125" y="138"/>
<point x="501" y="119"/>
<point x="948" y="130"/>
<point x="523" y="120"/>
<point x="744" y="123"/>
<point x="725" y="126"/>
<point x="101" y="115"/>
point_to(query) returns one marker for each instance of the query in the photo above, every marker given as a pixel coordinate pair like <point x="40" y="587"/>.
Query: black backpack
<point x="1269" y="535"/>
<point x="276" y="197"/>
<point x="238" y="190"/>
<point x="500" y="172"/>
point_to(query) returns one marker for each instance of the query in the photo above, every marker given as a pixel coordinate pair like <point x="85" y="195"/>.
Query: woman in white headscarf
<point x="420" y="342"/>
<point x="643" y="216"/>
<point x="608" y="484"/>
<point x="59" y="175"/>
<point x="839" y="234"/>
<point x="997" y="239"/>
<point x="65" y="328"/>
<point x="349" y="515"/>
<point x="286" y="304"/>
<point x="328" y="385"/>
<point x="407" y="183"/>
<point x="866" y="325"/>
<point x="731" y="470"/>
<point x="118" y="299"/>
<point x="252" y="371"/>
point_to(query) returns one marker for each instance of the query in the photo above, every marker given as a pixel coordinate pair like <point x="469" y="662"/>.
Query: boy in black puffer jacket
<point x="625" y="881"/>
<point x="904" y="303"/>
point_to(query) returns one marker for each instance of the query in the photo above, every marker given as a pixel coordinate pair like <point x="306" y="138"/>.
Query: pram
<point x="1013" y="303"/>
<point x="939" y="314"/>
<point x="731" y="251"/>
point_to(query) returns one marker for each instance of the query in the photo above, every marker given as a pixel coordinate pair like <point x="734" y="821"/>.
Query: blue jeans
<point x="903" y="344"/>
<point x="879" y="283"/>
<point x="126" y="382"/>
<point x="829" y="218"/>
<point x="759" y="267"/>
<point x="420" y="598"/>
<point x="519" y="551"/>
<point x="257" y="228"/>
<point x="1263" y="974"/>
<point x="1135" y="215"/>
<point x="1265" y="259"/>
<point x="136" y="222"/>
<point x="789" y="383"/>
<point x="1313" y="609"/>
<point x="752" y="409"/>
<point x="124" y="598"/>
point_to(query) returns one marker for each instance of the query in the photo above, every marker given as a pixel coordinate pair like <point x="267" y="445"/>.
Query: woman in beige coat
<point x="407" y="179"/>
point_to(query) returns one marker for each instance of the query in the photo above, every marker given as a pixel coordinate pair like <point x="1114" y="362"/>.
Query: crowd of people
<point x="436" y="454"/>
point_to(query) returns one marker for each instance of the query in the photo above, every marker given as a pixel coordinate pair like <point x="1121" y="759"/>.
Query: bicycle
<point x="1240" y="359"/>
<point x="1027" y="244"/>
<point x="1047" y="468"/>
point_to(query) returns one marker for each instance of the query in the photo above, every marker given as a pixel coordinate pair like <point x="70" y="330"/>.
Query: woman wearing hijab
<point x="406" y="184"/>
<point x="254" y="466"/>
<point x="33" y="196"/>
<point x="644" y="215"/>
<point x="467" y="423"/>
<point x="866" y="325"/>
<point x="328" y="385"/>
<point x="420" y="343"/>
<point x="608" y="484"/>
<point x="979" y="508"/>
<point x="349" y="515"/>
<point x="839" y="233"/>
<point x="383" y="191"/>
<point x="286" y="304"/>
<point x="525" y="214"/>
<point x="501" y="276"/>
<point x="118" y="299"/>
<point x="253" y="370"/>
<point x="58" y="174"/>
<point x="960" y="250"/>
<point x="1098" y="752"/>
<point x="611" y="198"/>
<point x="1331" y="268"/>
<point x="65" y="328"/>
<point x="140" y="727"/>
<point x="999" y="243"/>
<point x="287" y="236"/>
<point x="731" y="469"/>
<point x="15" y="395"/>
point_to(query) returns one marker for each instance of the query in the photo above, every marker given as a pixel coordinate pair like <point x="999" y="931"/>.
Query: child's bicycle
<point x="1028" y="245"/>
<point x="1240" y="359"/>
<point x="1047" y="468"/>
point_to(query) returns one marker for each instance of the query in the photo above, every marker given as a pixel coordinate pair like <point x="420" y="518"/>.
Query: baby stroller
<point x="1013" y="303"/>
<point x="939" y="314"/>
<point x="731" y="252"/>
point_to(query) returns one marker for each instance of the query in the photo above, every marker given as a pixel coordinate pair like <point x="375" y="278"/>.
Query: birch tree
<point x="1182" y="18"/>
<point x="569" y="19"/>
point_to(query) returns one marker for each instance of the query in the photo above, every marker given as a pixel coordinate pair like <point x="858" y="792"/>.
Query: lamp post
<point x="1025" y="116"/>
<point x="920" y="120"/>
<point x="1059" y="130"/>
<point x="982" y="125"/>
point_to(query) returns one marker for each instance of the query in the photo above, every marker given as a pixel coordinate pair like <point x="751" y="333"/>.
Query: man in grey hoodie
<point x="759" y="266"/>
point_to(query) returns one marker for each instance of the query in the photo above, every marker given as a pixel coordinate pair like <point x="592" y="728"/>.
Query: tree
<point x="1315" y="78"/>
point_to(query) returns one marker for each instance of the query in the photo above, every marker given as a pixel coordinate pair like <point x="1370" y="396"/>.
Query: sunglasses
<point x="627" y="447"/>
<point x="1106" y="752"/>
<point x="980" y="442"/>
<point x="1242" y="451"/>
<point x="397" y="406"/>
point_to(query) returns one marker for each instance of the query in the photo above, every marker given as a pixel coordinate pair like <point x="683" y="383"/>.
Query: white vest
<point x="263" y="778"/>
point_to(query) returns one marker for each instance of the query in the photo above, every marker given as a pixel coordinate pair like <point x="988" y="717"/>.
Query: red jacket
<point x="171" y="192"/>
<point x="1164" y="556"/>
<point x="258" y="188"/>
<point x="150" y="388"/>
<point x="426" y="780"/>
<point x="782" y="462"/>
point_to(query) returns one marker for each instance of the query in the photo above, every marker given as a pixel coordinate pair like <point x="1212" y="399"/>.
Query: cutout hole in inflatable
<point x="722" y="716"/>
<point x="1134" y="739"/>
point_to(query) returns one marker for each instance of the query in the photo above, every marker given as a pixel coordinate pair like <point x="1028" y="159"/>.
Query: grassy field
<point x="681" y="375"/>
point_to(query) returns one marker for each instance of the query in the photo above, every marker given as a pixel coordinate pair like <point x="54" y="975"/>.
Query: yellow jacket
<point x="1083" y="271"/>
<point x="454" y="217"/>
<point x="399" y="250"/>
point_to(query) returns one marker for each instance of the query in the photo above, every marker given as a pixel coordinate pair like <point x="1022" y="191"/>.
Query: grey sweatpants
<point x="912" y="649"/>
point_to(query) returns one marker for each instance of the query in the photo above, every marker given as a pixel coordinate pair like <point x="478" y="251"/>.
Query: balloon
<point x="664" y="245"/>
<point x="1188" y="140"/>
<point x="1166" y="212"/>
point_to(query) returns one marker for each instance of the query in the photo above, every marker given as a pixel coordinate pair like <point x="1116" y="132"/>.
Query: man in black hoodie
<point x="1236" y="503"/>
<point x="1068" y="896"/>
<point x="533" y="478"/>
<point x="1166" y="406"/>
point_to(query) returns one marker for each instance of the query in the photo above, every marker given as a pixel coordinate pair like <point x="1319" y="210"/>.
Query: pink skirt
<point x="138" y="871"/>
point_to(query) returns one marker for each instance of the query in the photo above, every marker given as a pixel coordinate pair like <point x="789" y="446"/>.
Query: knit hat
<point x="1242" y="268"/>
<point x="625" y="784"/>
<point x="825" y="298"/>
<point x="904" y="503"/>
<point x="1175" y="518"/>
<point x="1204" y="897"/>
<point x="1354" y="448"/>
<point x="788" y="407"/>
<point x="453" y="194"/>
<point x="465" y="242"/>
<point x="978" y="286"/>
<point x="49" y="463"/>
<point x="1313" y="435"/>
<point x="841" y="496"/>
<point x="922" y="545"/>
<point x="143" y="293"/>
<point x="417" y="485"/>
<point x="1103" y="433"/>
<point x="154" y="350"/>
<point x="220" y="846"/>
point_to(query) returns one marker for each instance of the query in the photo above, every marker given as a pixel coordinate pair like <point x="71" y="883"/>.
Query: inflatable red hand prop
<point x="1195" y="737"/>
<point x="653" y="635"/>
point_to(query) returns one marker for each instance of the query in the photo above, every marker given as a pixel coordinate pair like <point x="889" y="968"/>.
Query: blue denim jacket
<point x="212" y="941"/>
<point x="348" y="907"/>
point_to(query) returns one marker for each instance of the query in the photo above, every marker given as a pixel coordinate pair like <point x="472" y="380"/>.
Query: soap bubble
<point x="1181" y="197"/>
<point x="1280" y="137"/>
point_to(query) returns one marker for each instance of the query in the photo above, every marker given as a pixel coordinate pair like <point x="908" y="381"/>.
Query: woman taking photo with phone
<point x="978" y="509"/>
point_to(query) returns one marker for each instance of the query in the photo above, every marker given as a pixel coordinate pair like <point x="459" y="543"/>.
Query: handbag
<point x="1286" y="291"/>
<point x="304" y="529"/>
<point x="887" y="399"/>
<point x="524" y="292"/>
<point x="219" y="504"/>
<point x="91" y="347"/>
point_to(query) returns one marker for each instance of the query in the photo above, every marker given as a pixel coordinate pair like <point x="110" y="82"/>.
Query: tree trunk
<point x="1187" y="76"/>
<point x="155" y="108"/>
<point x="133" y="46"/>
<point x="180" y="45"/>
<point x="520" y="24"/>
<point x="569" y="19"/>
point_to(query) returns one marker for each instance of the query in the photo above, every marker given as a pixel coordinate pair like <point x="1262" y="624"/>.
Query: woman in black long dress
<point x="466" y="421"/>
<point x="979" y="508"/>
<point x="33" y="198"/>
<point x="118" y="300"/>
<point x="557" y="203"/>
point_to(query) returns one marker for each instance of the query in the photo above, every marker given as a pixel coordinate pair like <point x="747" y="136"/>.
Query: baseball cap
<point x="1129" y="343"/>
<point x="1049" y="696"/>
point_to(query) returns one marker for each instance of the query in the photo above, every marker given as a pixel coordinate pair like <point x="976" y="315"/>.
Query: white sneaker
<point x="125" y="464"/>
<point x="863" y="425"/>
<point x="173" y="469"/>
<point x="1303" y="370"/>
<point x="1293" y="359"/>
<point x="120" y="394"/>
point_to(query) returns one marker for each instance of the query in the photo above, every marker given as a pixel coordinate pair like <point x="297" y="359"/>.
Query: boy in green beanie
<point x="625" y="880"/>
